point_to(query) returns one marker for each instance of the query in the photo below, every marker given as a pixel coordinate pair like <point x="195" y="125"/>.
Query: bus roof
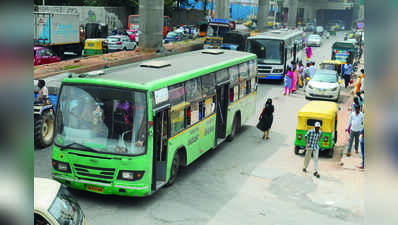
<point x="180" y="67"/>
<point x="277" y="34"/>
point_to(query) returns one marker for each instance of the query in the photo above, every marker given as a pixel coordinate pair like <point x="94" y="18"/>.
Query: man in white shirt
<point x="312" y="70"/>
<point x="43" y="92"/>
<point x="356" y="122"/>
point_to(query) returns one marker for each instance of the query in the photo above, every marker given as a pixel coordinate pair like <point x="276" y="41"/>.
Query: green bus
<point x="127" y="130"/>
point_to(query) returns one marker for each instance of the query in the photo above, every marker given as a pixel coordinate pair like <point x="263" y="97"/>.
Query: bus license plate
<point x="96" y="189"/>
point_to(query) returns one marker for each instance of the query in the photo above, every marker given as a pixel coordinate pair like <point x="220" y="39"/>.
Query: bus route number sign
<point x="161" y="95"/>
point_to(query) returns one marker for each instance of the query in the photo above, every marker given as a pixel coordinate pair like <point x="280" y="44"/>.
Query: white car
<point x="314" y="40"/>
<point x="53" y="204"/>
<point x="324" y="84"/>
<point x="120" y="42"/>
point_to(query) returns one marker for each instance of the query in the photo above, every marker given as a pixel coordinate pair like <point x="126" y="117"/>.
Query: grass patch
<point x="70" y="67"/>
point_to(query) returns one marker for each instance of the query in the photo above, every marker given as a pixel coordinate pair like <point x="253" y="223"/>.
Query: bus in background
<point x="134" y="24"/>
<point x="275" y="50"/>
<point x="127" y="130"/>
<point x="215" y="31"/>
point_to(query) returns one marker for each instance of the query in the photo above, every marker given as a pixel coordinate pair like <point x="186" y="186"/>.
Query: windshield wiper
<point x="78" y="144"/>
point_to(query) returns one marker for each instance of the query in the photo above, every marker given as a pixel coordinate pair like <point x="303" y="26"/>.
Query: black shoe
<point x="304" y="170"/>
<point x="317" y="175"/>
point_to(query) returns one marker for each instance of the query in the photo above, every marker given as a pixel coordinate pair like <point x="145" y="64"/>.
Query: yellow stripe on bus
<point x="192" y="126"/>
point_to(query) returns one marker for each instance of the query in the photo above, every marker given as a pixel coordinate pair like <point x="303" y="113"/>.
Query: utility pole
<point x="44" y="2"/>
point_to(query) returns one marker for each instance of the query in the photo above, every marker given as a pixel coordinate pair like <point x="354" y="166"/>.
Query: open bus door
<point x="222" y="109"/>
<point x="161" y="129"/>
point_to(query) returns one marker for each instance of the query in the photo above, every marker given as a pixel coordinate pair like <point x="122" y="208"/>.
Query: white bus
<point x="275" y="50"/>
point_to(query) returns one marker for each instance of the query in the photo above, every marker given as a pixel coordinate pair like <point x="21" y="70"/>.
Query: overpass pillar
<point x="262" y="13"/>
<point x="151" y="24"/>
<point x="292" y="13"/>
<point x="222" y="9"/>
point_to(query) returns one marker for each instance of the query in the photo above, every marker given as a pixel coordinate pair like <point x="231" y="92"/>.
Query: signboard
<point x="161" y="95"/>
<point x="342" y="55"/>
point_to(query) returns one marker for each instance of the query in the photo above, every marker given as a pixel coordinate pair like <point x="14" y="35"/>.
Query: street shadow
<point x="213" y="179"/>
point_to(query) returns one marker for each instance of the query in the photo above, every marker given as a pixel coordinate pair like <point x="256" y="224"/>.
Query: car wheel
<point x="124" y="49"/>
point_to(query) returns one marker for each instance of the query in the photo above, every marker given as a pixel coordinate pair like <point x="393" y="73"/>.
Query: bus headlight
<point x="334" y="89"/>
<point x="61" y="166"/>
<point x="277" y="70"/>
<point x="130" y="175"/>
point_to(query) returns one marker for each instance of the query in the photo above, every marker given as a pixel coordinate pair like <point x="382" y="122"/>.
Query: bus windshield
<point x="268" y="50"/>
<point x="108" y="120"/>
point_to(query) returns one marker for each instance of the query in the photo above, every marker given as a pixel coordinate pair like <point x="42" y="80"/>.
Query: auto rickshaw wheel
<point x="330" y="153"/>
<point x="296" y="150"/>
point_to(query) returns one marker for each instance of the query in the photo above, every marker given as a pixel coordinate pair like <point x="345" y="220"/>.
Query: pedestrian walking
<point x="347" y="74"/>
<point x="308" y="52"/>
<point x="288" y="81"/>
<point x="306" y="74"/>
<point x="361" y="101"/>
<point x="356" y="123"/>
<point x="301" y="74"/>
<point x="294" y="79"/>
<point x="312" y="70"/>
<point x="266" y="118"/>
<point x="359" y="83"/>
<point x="362" y="149"/>
<point x="312" y="147"/>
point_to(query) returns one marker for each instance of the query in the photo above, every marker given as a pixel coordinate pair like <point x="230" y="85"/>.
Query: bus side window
<point x="188" y="116"/>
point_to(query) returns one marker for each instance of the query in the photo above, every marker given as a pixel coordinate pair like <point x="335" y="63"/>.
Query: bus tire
<point x="44" y="129"/>
<point x="175" y="165"/>
<point x="235" y="128"/>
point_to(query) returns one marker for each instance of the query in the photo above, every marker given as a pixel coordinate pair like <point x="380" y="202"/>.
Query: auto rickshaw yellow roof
<point x="319" y="109"/>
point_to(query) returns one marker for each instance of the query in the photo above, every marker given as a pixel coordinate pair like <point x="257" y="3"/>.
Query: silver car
<point x="324" y="84"/>
<point x="314" y="40"/>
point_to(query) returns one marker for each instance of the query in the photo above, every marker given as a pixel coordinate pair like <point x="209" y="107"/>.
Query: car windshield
<point x="104" y="119"/>
<point x="65" y="209"/>
<point x="325" y="77"/>
<point x="267" y="50"/>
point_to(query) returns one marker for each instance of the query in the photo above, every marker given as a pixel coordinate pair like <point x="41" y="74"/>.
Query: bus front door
<point x="222" y="109"/>
<point x="161" y="131"/>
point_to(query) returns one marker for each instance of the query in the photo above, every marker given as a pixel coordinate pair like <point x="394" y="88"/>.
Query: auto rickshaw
<point x="317" y="111"/>
<point x="335" y="65"/>
<point x="97" y="46"/>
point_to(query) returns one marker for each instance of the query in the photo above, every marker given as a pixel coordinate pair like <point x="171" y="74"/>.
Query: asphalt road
<point x="247" y="181"/>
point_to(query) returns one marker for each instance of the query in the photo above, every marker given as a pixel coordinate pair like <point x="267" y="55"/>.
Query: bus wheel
<point x="175" y="166"/>
<point x="235" y="128"/>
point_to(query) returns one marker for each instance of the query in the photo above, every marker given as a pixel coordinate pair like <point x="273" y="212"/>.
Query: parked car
<point x="120" y="42"/>
<point x="42" y="55"/>
<point x="314" y="40"/>
<point x="174" y="36"/>
<point x="54" y="205"/>
<point x="324" y="84"/>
